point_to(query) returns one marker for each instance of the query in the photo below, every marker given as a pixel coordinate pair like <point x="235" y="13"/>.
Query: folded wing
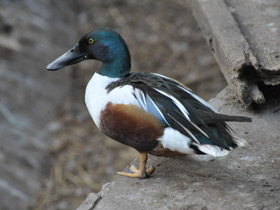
<point x="179" y="108"/>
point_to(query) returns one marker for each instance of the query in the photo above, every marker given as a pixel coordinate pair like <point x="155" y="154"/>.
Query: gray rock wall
<point x="32" y="33"/>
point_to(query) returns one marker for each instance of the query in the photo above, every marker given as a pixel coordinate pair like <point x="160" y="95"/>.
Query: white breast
<point x="97" y="97"/>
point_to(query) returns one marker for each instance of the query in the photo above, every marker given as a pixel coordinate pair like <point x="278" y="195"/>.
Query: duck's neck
<point x="115" y="69"/>
<point x="118" y="66"/>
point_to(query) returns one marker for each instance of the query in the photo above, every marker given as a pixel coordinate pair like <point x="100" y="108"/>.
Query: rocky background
<point x="51" y="154"/>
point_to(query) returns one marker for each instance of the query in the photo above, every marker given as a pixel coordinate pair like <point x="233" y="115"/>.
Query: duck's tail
<point x="217" y="117"/>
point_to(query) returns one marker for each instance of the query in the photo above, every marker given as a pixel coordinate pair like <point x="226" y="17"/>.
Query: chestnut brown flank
<point x="131" y="126"/>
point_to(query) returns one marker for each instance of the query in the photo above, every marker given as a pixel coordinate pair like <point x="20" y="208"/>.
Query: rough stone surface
<point x="248" y="178"/>
<point x="244" y="37"/>
<point x="29" y="94"/>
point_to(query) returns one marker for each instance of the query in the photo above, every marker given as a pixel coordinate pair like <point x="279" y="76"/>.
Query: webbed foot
<point x="140" y="173"/>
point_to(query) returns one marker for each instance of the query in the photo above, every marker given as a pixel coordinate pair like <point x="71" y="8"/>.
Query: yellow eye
<point x="90" y="41"/>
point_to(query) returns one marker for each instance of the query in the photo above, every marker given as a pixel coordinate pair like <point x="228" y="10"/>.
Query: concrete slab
<point x="244" y="38"/>
<point x="248" y="178"/>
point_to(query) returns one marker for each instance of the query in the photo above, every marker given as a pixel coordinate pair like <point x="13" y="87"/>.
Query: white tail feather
<point x="239" y="141"/>
<point x="212" y="150"/>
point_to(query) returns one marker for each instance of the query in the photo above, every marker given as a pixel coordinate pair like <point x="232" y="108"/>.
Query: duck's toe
<point x="136" y="173"/>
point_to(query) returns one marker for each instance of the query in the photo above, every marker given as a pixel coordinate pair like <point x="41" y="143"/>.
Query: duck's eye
<point x="90" y="41"/>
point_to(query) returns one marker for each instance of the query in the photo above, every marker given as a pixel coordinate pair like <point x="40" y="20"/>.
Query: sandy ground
<point x="162" y="37"/>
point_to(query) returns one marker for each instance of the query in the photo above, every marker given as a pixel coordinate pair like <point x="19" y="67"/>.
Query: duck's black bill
<point x="70" y="57"/>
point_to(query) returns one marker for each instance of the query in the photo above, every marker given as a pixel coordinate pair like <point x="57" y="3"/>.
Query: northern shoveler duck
<point x="150" y="112"/>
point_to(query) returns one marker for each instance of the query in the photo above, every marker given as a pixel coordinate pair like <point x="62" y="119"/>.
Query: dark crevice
<point x="272" y="97"/>
<point x="249" y="73"/>
<point x="95" y="203"/>
<point x="258" y="78"/>
<point x="271" y="92"/>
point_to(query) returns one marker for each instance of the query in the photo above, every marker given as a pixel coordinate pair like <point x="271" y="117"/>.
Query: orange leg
<point x="141" y="173"/>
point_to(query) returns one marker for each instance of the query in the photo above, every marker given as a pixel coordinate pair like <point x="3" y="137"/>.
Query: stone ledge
<point x="248" y="178"/>
<point x="243" y="37"/>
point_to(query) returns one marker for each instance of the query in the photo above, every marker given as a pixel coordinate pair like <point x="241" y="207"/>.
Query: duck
<point x="149" y="112"/>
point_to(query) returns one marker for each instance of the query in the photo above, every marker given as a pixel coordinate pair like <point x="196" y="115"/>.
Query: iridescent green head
<point x="104" y="45"/>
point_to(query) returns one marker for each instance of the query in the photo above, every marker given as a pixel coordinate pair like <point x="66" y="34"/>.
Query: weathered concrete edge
<point x="94" y="198"/>
<point x="229" y="47"/>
